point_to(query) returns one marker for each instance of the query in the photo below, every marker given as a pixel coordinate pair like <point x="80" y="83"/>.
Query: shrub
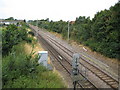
<point x="22" y="71"/>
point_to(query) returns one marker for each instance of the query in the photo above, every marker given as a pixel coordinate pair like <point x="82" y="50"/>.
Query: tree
<point x="10" y="18"/>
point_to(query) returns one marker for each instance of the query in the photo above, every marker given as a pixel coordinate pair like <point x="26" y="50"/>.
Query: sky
<point x="53" y="9"/>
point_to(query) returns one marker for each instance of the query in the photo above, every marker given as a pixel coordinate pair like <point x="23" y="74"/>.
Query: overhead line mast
<point x="37" y="27"/>
<point x="68" y="29"/>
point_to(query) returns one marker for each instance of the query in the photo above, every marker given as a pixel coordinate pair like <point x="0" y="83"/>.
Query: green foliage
<point x="105" y="31"/>
<point x="31" y="33"/>
<point x="23" y="71"/>
<point x="19" y="69"/>
<point x="10" y="18"/>
<point x="11" y="36"/>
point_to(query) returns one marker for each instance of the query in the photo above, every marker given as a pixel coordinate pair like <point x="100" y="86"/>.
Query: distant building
<point x="8" y="22"/>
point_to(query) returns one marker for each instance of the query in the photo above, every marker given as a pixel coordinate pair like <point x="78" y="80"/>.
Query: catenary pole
<point x="37" y="27"/>
<point x="68" y="30"/>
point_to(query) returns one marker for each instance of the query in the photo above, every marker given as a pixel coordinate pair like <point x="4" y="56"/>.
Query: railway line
<point x="67" y="64"/>
<point x="95" y="70"/>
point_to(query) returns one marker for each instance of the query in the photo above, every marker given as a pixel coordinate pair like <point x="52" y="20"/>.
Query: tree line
<point x="101" y="34"/>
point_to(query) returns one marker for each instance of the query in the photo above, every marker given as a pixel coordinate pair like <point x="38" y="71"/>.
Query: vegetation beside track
<point x="20" y="69"/>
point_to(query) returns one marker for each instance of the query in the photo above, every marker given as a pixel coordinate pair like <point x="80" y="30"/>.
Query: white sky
<point x="52" y="9"/>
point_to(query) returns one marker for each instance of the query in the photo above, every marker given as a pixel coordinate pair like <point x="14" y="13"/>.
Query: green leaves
<point x="22" y="71"/>
<point x="11" y="36"/>
<point x="105" y="29"/>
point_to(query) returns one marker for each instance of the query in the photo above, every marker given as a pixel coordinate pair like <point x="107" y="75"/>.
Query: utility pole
<point x="68" y="29"/>
<point x="119" y="75"/>
<point x="37" y="27"/>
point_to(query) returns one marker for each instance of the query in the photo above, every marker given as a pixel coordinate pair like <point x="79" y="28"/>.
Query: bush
<point x="11" y="36"/>
<point x="22" y="71"/>
<point x="31" y="33"/>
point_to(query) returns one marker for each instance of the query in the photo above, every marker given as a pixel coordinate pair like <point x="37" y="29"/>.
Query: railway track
<point x="67" y="65"/>
<point x="64" y="62"/>
<point x="101" y="74"/>
<point x="95" y="70"/>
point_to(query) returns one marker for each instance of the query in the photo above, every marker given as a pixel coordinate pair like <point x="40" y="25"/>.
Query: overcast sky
<point x="52" y="9"/>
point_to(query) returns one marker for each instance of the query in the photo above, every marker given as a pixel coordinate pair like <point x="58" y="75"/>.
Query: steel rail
<point x="70" y="64"/>
<point x="108" y="82"/>
<point x="53" y="52"/>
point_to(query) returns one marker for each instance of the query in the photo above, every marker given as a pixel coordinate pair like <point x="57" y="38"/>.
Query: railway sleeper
<point x="85" y="86"/>
<point x="86" y="83"/>
<point x="106" y="78"/>
<point x="94" y="69"/>
<point x="115" y="85"/>
<point x="102" y="76"/>
<point x="89" y="86"/>
<point x="98" y="72"/>
<point x="90" y="68"/>
<point x="109" y="80"/>
<point x="112" y="83"/>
